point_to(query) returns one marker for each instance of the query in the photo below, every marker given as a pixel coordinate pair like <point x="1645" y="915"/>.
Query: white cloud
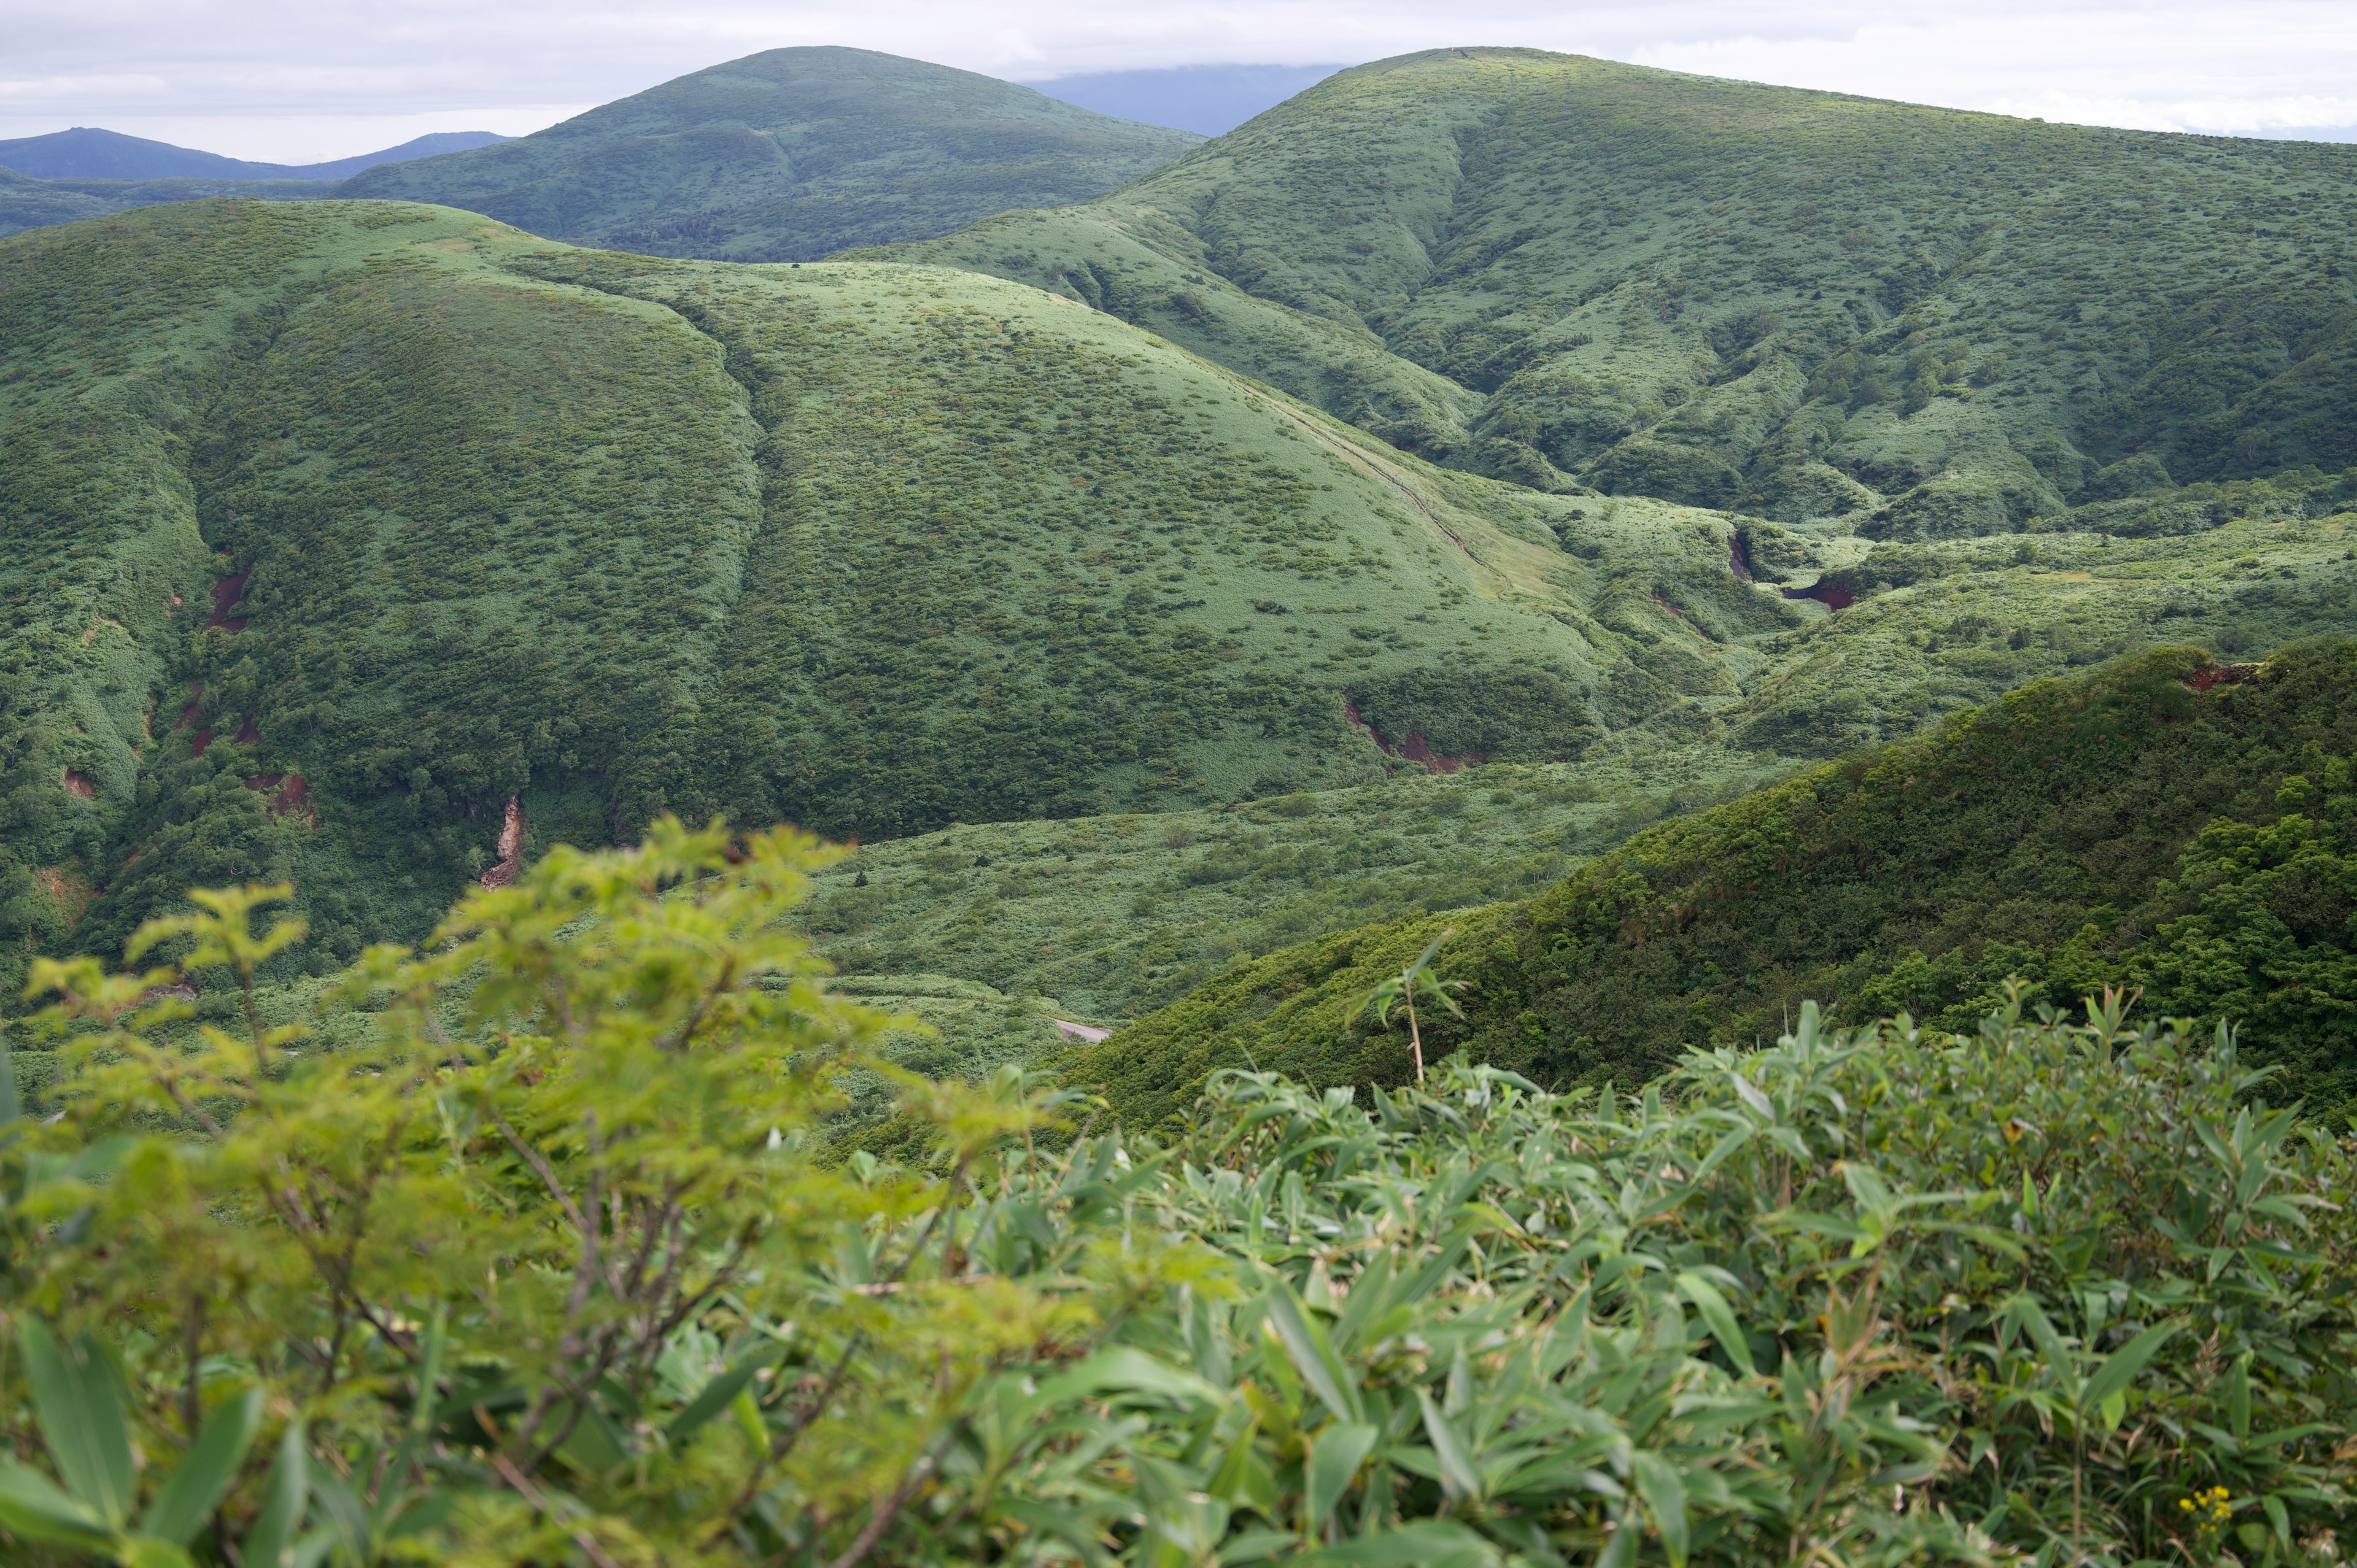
<point x="294" y="81"/>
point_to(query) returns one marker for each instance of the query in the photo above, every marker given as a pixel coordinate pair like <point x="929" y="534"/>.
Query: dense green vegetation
<point x="30" y="203"/>
<point x="1801" y="303"/>
<point x="789" y="154"/>
<point x="332" y="527"/>
<point x="2167" y="823"/>
<point x="427" y="514"/>
<point x="554" y="1268"/>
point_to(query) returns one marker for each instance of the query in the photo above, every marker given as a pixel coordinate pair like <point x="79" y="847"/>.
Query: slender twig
<point x="888" y="1508"/>
<point x="531" y="1494"/>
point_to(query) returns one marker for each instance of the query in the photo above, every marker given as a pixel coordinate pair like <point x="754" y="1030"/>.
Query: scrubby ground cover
<point x="2036" y="1292"/>
<point x="787" y="155"/>
<point x="333" y="528"/>
<point x="1802" y="304"/>
<point x="2166" y="824"/>
<point x="1109" y="917"/>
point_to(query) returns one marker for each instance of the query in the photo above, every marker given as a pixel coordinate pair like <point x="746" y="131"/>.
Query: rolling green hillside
<point x="787" y="155"/>
<point x="1802" y="304"/>
<point x="2168" y="822"/>
<point x="333" y="527"/>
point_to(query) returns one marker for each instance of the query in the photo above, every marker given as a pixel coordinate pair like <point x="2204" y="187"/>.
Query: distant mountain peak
<point x="790" y="154"/>
<point x="91" y="151"/>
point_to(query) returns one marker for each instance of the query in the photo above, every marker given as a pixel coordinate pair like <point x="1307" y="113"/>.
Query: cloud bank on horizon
<point x="275" y="80"/>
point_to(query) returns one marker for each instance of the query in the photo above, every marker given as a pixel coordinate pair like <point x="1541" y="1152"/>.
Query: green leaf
<point x="1122" y="1368"/>
<point x="1456" y="1471"/>
<point x="1306" y="1344"/>
<point x="2120" y="1370"/>
<point x="9" y="1108"/>
<point x="271" y="1543"/>
<point x="1427" y="1543"/>
<point x="206" y="1472"/>
<point x="1258" y="1546"/>
<point x="34" y="1507"/>
<point x="75" y="1395"/>
<point x="152" y="1552"/>
<point x="720" y="1392"/>
<point x="1335" y="1456"/>
<point x="1716" y="1312"/>
<point x="1665" y="1499"/>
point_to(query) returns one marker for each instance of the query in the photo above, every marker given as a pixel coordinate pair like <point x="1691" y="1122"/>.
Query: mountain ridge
<point x="789" y="154"/>
<point x="1800" y="304"/>
<point x="92" y="152"/>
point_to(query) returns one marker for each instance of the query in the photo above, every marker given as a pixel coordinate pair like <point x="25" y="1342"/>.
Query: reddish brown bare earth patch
<point x="204" y="738"/>
<point x="249" y="732"/>
<point x="2211" y="675"/>
<point x="81" y="784"/>
<point x="289" y="795"/>
<point x="511" y="861"/>
<point x="1825" y="594"/>
<point x="1415" y="748"/>
<point x="226" y="593"/>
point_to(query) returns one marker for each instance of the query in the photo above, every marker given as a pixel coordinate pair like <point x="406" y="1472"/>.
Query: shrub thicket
<point x="557" y="1270"/>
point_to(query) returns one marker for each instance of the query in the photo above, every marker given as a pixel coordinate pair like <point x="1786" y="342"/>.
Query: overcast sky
<point x="298" y="80"/>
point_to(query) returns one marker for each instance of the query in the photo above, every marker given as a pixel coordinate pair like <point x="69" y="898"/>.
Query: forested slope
<point x="789" y="155"/>
<point x="30" y="203"/>
<point x="332" y="527"/>
<point x="2168" y="822"/>
<point x="1801" y="303"/>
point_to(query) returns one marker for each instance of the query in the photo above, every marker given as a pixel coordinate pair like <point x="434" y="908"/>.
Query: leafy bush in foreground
<point x="558" y="1271"/>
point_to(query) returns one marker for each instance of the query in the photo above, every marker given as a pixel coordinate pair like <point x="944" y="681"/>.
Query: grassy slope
<point x="1797" y="303"/>
<point x="878" y="549"/>
<point x="2123" y="826"/>
<point x="873" y="547"/>
<point x="789" y="155"/>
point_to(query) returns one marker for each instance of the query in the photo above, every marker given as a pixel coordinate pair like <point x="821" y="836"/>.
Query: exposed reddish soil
<point x="1739" y="559"/>
<point x="1415" y="748"/>
<point x="2211" y="675"/>
<point x="249" y="732"/>
<point x="290" y="796"/>
<point x="196" y="697"/>
<point x="81" y="784"/>
<point x="511" y="861"/>
<point x="1825" y="594"/>
<point x="226" y="593"/>
<point x="1669" y="607"/>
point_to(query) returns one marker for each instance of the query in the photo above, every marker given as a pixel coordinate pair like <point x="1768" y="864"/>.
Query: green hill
<point x="787" y="155"/>
<point x="1799" y="303"/>
<point x="2168" y="824"/>
<point x="333" y="527"/>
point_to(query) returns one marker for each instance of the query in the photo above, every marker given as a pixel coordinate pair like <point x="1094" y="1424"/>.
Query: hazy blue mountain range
<point x="88" y="152"/>
<point x="1211" y="100"/>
